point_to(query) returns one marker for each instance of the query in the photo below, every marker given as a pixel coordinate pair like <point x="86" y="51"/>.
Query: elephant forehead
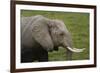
<point x="61" y="27"/>
<point x="60" y="24"/>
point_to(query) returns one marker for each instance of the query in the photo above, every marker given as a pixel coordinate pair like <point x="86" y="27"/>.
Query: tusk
<point x="75" y="49"/>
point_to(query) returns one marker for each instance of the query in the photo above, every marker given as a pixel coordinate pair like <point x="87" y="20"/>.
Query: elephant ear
<point x="40" y="33"/>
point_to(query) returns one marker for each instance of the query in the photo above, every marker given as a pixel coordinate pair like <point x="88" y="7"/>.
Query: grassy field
<point x="77" y="24"/>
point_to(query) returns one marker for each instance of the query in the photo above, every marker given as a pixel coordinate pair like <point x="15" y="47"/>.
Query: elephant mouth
<point x="56" y="48"/>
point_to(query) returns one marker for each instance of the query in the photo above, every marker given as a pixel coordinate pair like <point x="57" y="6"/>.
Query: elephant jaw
<point x="75" y="49"/>
<point x="56" y="48"/>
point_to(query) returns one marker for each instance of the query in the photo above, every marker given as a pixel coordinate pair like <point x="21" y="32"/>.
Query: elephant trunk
<point x="75" y="49"/>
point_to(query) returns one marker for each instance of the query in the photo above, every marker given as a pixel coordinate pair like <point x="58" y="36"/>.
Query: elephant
<point x="39" y="35"/>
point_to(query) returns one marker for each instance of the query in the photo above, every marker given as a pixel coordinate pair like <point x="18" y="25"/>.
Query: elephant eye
<point x="61" y="34"/>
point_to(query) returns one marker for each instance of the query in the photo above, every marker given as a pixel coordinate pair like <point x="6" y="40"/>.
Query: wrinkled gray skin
<point x="38" y="32"/>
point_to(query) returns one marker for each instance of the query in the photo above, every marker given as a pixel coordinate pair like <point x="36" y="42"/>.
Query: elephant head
<point x="51" y="33"/>
<point x="61" y="36"/>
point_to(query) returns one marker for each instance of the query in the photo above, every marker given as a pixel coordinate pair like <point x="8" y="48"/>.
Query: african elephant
<point x="40" y="35"/>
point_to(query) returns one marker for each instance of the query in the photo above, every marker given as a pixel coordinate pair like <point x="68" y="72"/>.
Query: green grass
<point x="77" y="24"/>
